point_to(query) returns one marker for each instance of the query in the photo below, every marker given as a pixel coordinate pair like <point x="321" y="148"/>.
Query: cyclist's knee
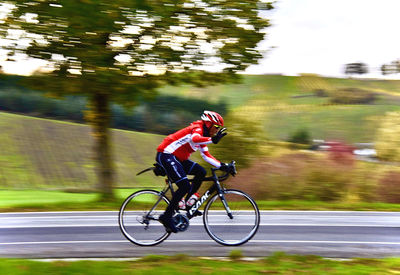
<point x="184" y="184"/>
<point x="200" y="172"/>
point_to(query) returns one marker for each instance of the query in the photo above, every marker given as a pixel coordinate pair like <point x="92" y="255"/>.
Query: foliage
<point x="389" y="187"/>
<point x="391" y="68"/>
<point x="127" y="48"/>
<point x="388" y="137"/>
<point x="34" y="103"/>
<point x="236" y="255"/>
<point x="326" y="183"/>
<point x="320" y="93"/>
<point x="166" y="114"/>
<point x="352" y="96"/>
<point x="356" y="68"/>
<point x="163" y="114"/>
<point x="296" y="176"/>
<point x="301" y="136"/>
<point x="243" y="141"/>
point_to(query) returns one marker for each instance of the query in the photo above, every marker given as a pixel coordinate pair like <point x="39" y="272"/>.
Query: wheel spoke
<point x="236" y="226"/>
<point x="138" y="218"/>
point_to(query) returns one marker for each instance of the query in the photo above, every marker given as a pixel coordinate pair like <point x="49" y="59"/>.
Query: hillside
<point x="285" y="104"/>
<point x="42" y="153"/>
<point x="282" y="104"/>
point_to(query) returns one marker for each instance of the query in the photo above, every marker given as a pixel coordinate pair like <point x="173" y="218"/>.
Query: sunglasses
<point x="217" y="126"/>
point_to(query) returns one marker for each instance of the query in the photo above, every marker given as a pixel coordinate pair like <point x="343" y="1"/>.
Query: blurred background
<point x="318" y="119"/>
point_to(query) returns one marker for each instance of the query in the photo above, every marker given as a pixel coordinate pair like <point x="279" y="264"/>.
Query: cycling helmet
<point x="212" y="118"/>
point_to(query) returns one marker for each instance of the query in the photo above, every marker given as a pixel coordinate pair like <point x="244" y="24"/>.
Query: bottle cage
<point x="158" y="170"/>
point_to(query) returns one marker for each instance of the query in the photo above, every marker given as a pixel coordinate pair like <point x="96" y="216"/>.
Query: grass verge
<point x="32" y="200"/>
<point x="40" y="200"/>
<point x="278" y="263"/>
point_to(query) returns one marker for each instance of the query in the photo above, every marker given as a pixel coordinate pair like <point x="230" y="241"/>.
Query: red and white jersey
<point x="186" y="141"/>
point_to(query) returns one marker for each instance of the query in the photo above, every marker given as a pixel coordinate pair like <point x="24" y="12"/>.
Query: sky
<point x="321" y="36"/>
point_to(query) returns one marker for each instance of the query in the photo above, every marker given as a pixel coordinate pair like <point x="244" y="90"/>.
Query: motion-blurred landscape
<point x="310" y="96"/>
<point x="46" y="145"/>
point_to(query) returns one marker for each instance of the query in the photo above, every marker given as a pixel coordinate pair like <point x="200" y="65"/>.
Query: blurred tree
<point x="391" y="68"/>
<point x="356" y="68"/>
<point x="122" y="50"/>
<point x="301" y="136"/>
<point x="387" y="140"/>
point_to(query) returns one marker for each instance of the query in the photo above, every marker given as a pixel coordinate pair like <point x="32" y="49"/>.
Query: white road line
<point x="213" y="214"/>
<point x="62" y="217"/>
<point x="207" y="241"/>
<point x="201" y="224"/>
<point x="261" y="211"/>
<point x="58" y="225"/>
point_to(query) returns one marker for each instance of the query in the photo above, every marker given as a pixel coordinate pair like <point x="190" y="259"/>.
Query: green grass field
<point x="41" y="200"/>
<point x="349" y="123"/>
<point x="46" y="154"/>
<point x="278" y="263"/>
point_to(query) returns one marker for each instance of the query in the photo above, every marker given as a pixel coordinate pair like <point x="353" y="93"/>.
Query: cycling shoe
<point x="168" y="223"/>
<point x="197" y="213"/>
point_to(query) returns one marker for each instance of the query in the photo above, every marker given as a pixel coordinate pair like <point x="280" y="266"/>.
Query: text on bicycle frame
<point x="199" y="202"/>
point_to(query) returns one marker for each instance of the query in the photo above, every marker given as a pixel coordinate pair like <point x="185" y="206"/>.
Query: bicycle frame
<point x="216" y="187"/>
<point x="134" y="224"/>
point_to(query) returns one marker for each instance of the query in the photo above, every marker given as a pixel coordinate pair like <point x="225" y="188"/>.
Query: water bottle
<point x="192" y="200"/>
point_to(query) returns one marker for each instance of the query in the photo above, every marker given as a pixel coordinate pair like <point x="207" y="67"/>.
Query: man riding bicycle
<point x="173" y="155"/>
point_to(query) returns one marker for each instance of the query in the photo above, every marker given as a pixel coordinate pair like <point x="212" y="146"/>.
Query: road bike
<point x="230" y="217"/>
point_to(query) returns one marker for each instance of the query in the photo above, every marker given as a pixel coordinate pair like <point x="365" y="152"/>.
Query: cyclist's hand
<point x="225" y="167"/>
<point x="228" y="167"/>
<point x="220" y="134"/>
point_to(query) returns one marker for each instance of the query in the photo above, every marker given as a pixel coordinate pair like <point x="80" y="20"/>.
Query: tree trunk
<point x="100" y="117"/>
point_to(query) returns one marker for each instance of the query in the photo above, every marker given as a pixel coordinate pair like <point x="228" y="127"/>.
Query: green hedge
<point x="164" y="114"/>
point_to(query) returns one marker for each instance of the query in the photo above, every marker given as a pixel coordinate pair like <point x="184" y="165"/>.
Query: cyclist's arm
<point x="205" y="154"/>
<point x="198" y="139"/>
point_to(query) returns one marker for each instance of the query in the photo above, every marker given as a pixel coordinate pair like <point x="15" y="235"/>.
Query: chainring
<point x="181" y="222"/>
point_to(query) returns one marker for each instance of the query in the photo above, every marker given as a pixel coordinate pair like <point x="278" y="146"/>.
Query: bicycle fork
<point x="228" y="210"/>
<point x="220" y="193"/>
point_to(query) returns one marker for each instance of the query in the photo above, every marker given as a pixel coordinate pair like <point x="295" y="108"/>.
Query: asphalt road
<point x="333" y="234"/>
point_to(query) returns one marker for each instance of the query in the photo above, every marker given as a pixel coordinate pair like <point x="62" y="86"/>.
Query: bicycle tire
<point x="236" y="230"/>
<point x="138" y="222"/>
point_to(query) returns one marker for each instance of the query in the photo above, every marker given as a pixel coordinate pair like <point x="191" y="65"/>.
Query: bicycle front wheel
<point x="138" y="218"/>
<point x="232" y="219"/>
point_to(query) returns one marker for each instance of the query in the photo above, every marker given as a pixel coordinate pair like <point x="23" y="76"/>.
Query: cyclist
<point x="174" y="152"/>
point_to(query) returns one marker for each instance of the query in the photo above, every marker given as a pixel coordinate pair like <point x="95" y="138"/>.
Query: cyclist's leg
<point x="183" y="188"/>
<point x="193" y="168"/>
<point x="177" y="174"/>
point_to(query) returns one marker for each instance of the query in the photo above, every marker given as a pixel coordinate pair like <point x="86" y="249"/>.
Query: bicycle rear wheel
<point x="138" y="218"/>
<point x="234" y="229"/>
